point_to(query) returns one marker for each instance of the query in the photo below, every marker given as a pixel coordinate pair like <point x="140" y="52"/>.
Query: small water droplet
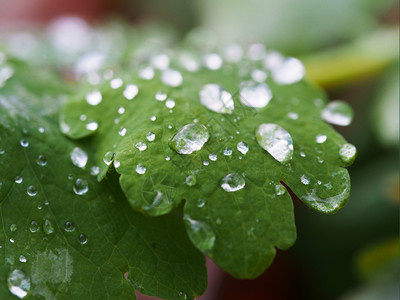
<point x="233" y="182"/>
<point x="117" y="163"/>
<point x="48" y="227"/>
<point x="160" y="96"/>
<point x="79" y="157"/>
<point x="320" y="160"/>
<point x="348" y="153"/>
<point x="160" y="61"/>
<point x="254" y="94"/>
<point x="233" y="53"/>
<point x="200" y="233"/>
<point x="206" y="163"/>
<point x="321" y="138"/>
<point x="280" y="189"/>
<point x="141" y="146"/>
<point x="18" y="179"/>
<point x="82" y="238"/>
<point x="121" y="110"/>
<point x="218" y="221"/>
<point x="18" y="283"/>
<point x="276" y="141"/>
<point x="34" y="226"/>
<point x="256" y="51"/>
<point x="116" y="83"/>
<point x="305" y="179"/>
<point x="201" y="202"/>
<point x="190" y="180"/>
<point x="94" y="171"/>
<point x="338" y="113"/>
<point x="150" y="136"/>
<point x="213" y="156"/>
<point x="242" y="147"/>
<point x="131" y="91"/>
<point x="41" y="129"/>
<point x="189" y="138"/>
<point x="319" y="182"/>
<point x="146" y="73"/>
<point x="69" y="226"/>
<point x="153" y="118"/>
<point x="83" y="117"/>
<point x="227" y="152"/>
<point x="22" y="259"/>
<point x="212" y="61"/>
<point x="94" y="98"/>
<point x="171" y="78"/>
<point x="24" y="143"/>
<point x="140" y="169"/>
<point x="31" y="190"/>
<point x="258" y="75"/>
<point x="108" y="158"/>
<point x="122" y="131"/>
<point x="41" y="160"/>
<point x="289" y="71"/>
<point x="92" y="126"/>
<point x="302" y="154"/>
<point x="293" y="115"/>
<point x="167" y="158"/>
<point x="13" y="227"/>
<point x="215" y="98"/>
<point x="170" y="103"/>
<point x="80" y="186"/>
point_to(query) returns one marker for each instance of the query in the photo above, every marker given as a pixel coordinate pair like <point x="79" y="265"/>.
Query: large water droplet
<point x="31" y="190"/>
<point x="69" y="226"/>
<point x="305" y="179"/>
<point x="215" y="98"/>
<point x="94" y="97"/>
<point x="24" y="143"/>
<point x="171" y="78"/>
<point x="348" y="153"/>
<point x="233" y="182"/>
<point x="213" y="156"/>
<point x="79" y="157"/>
<point x="141" y="146"/>
<point x="254" y="94"/>
<point x="18" y="283"/>
<point x="41" y="160"/>
<point x="130" y="91"/>
<point x="200" y="233"/>
<point x="338" y="113"/>
<point x="189" y="138"/>
<point x="320" y="138"/>
<point x="242" y="147"/>
<point x="48" y="227"/>
<point x="140" y="169"/>
<point x="276" y="141"/>
<point x="150" y="136"/>
<point x="80" y="186"/>
<point x="170" y="103"/>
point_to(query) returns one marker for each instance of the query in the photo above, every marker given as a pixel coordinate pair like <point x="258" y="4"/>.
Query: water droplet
<point x="34" y="226"/>
<point x="108" y="158"/>
<point x="213" y="156"/>
<point x="348" y="153"/>
<point x="141" y="146"/>
<point x="18" y="179"/>
<point x="13" y="227"/>
<point x="117" y="163"/>
<point x="171" y="78"/>
<point x="122" y="131"/>
<point x="206" y="163"/>
<point x="93" y="98"/>
<point x="80" y="186"/>
<point x="233" y="53"/>
<point x="140" y="169"/>
<point x="41" y="160"/>
<point x="167" y="158"/>
<point x="153" y="118"/>
<point x="320" y="160"/>
<point x="18" y="283"/>
<point x="22" y="259"/>
<point x="116" y="83"/>
<point x="31" y="190"/>
<point x="24" y="143"/>
<point x="254" y="94"/>
<point x="321" y="138"/>
<point x="82" y="117"/>
<point x="48" y="227"/>
<point x="150" y="136"/>
<point x="69" y="226"/>
<point x="41" y="129"/>
<point x="215" y="98"/>
<point x="160" y="61"/>
<point x="79" y="157"/>
<point x="338" y="113"/>
<point x="189" y="138"/>
<point x="146" y="73"/>
<point x="276" y="141"/>
<point x="160" y="96"/>
<point x="121" y="110"/>
<point x="212" y="61"/>
<point x="242" y="147"/>
<point x="319" y="182"/>
<point x="190" y="180"/>
<point x="92" y="126"/>
<point x="258" y="75"/>
<point x="293" y="116"/>
<point x="289" y="71"/>
<point x="305" y="179"/>
<point x="256" y="51"/>
<point x="233" y="182"/>
<point x="200" y="233"/>
<point x="201" y="202"/>
<point x="82" y="238"/>
<point x="302" y="154"/>
<point x="170" y="103"/>
<point x="94" y="171"/>
<point x="227" y="152"/>
<point x="130" y="91"/>
<point x="280" y="189"/>
<point x="218" y="221"/>
<point x="12" y="240"/>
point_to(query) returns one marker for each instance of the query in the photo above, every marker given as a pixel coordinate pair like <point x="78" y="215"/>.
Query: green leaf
<point x="87" y="244"/>
<point x="238" y="229"/>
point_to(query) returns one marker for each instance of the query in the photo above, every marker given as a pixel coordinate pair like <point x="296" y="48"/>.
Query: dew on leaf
<point x="150" y="136"/>
<point x="140" y="169"/>
<point x="141" y="146"/>
<point x="190" y="180"/>
<point x="233" y="182"/>
<point x="94" y="171"/>
<point x="108" y="158"/>
<point x="256" y="51"/>
<point x="276" y="141"/>
<point x="146" y="73"/>
<point x="121" y="110"/>
<point x="18" y="283"/>
<point x="206" y="163"/>
<point x="167" y="158"/>
<point x="215" y="98"/>
<point x="321" y="138"/>
<point x="338" y="113"/>
<point x="170" y="103"/>
<point x="189" y="138"/>
<point x="22" y="259"/>
<point x="153" y="118"/>
<point x="13" y="227"/>
<point x="305" y="179"/>
<point x="233" y="53"/>
<point x="242" y="147"/>
<point x="258" y="75"/>
<point x="82" y="117"/>
<point x="201" y="202"/>
<point x="254" y="94"/>
<point x="302" y="154"/>
<point x="160" y="96"/>
<point x="82" y="238"/>
<point x="79" y="157"/>
<point x="171" y="78"/>
<point x="41" y="129"/>
<point x="160" y="61"/>
<point x="347" y="153"/>
<point x="24" y="143"/>
<point x="293" y="115"/>
<point x="130" y="92"/>
<point x="116" y="83"/>
<point x="122" y="131"/>
<point x="34" y="226"/>
<point x="48" y="227"/>
<point x="227" y="151"/>
<point x="92" y="126"/>
<point x="279" y="189"/>
<point x="213" y="156"/>
<point x="117" y="163"/>
<point x="289" y="71"/>
<point x="18" y="179"/>
<point x="212" y="61"/>
<point x="200" y="233"/>
<point x="41" y="160"/>
<point x="31" y="190"/>
<point x="69" y="226"/>
<point x="93" y="98"/>
<point x="182" y="295"/>
<point x="80" y="186"/>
